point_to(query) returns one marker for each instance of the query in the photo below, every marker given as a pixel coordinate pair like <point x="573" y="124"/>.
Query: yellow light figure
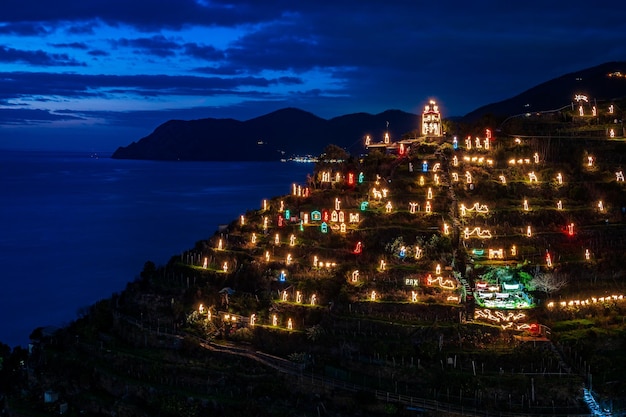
<point x="208" y="314"/>
<point x="421" y="180"/>
<point x="267" y="256"/>
<point x="282" y="206"/>
<point x="455" y="161"/>
<point x="264" y="205"/>
<point x="252" y="320"/>
<point x="274" y="320"/>
<point x="587" y="254"/>
<point x="225" y="267"/>
<point x="382" y="265"/>
<point x="463" y="210"/>
<point x="428" y="207"/>
<point x="532" y="177"/>
<point x="388" y="207"/>
<point x="446" y="229"/>
<point x="384" y="191"/>
<point x="242" y="220"/>
<point x="355" y="276"/>
<point x="468" y="143"/>
<point x="413" y="297"/>
<point x="455" y="177"/>
<point x="559" y="178"/>
<point x="201" y="309"/>
<point x="536" y="157"/>
<point x="594" y="111"/>
<point x="436" y="167"/>
<point x="468" y="177"/>
<point x="438" y="269"/>
<point x="526" y="208"/>
<point x="619" y="176"/>
<point x="298" y="297"/>
<point x="373" y="296"/>
<point x="436" y="179"/>
<point x="548" y="260"/>
<point x="220" y="245"/>
<point x="601" y="206"/>
<point x="315" y="260"/>
<point x="265" y="223"/>
<point x="590" y="161"/>
<point x="559" y="205"/>
<point x="581" y="111"/>
<point x="368" y="140"/>
<point x="429" y="194"/>
<point x="289" y="324"/>
<point x="305" y="218"/>
<point x="418" y="252"/>
<point x="337" y="204"/>
<point x="277" y="239"/>
<point x="294" y="189"/>
<point x="205" y="263"/>
<point x="513" y="250"/>
<point x="611" y="109"/>
<point x="284" y="295"/>
<point x="611" y="133"/>
<point x="292" y="240"/>
<point x="503" y="179"/>
<point x="412" y="207"/>
<point x="529" y="231"/>
<point x="288" y="260"/>
<point x="313" y="299"/>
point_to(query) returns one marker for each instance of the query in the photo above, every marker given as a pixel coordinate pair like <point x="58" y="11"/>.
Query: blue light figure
<point x="402" y="252"/>
<point x="361" y="178"/>
<point x="301" y="226"/>
<point x="455" y="143"/>
<point x="324" y="228"/>
<point x="364" y="205"/>
<point x="281" y="277"/>
<point x="287" y="215"/>
<point x="424" y="166"/>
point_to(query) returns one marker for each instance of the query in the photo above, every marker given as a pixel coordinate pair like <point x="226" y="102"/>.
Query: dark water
<point x="74" y="228"/>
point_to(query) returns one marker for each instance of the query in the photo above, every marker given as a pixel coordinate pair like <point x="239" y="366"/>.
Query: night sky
<point x="97" y="74"/>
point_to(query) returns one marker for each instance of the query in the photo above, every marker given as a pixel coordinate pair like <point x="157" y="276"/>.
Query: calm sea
<point x="75" y="228"/>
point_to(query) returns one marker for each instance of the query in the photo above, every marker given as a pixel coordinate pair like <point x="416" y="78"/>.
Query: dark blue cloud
<point x="23" y="29"/>
<point x="36" y="58"/>
<point x="73" y="45"/>
<point x="156" y="45"/>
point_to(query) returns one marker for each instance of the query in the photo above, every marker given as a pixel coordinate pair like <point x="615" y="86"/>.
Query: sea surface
<point x="76" y="227"/>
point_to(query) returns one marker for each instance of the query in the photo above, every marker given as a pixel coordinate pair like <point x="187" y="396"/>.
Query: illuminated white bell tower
<point x="431" y="120"/>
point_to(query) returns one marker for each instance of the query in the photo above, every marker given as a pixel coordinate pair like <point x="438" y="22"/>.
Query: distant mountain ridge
<point x="280" y="134"/>
<point x="290" y="131"/>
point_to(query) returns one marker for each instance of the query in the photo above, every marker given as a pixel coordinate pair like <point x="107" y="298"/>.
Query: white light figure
<point x="559" y="205"/>
<point x="518" y="141"/>
<point x="292" y="240"/>
<point x="619" y="176"/>
<point x="438" y="269"/>
<point x="252" y="320"/>
<point x="421" y="180"/>
<point x="611" y="109"/>
<point x="205" y="263"/>
<point x="532" y="177"/>
<point x="502" y="179"/>
<point x="486" y="143"/>
<point x="274" y="320"/>
<point x="277" y="239"/>
<point x="294" y="189"/>
<point x="288" y="260"/>
<point x="463" y="210"/>
<point x="298" y="297"/>
<point x="265" y="223"/>
<point x="413" y="297"/>
<point x="289" y="324"/>
<point x="590" y="161"/>
<point x="468" y="177"/>
<point x="388" y="207"/>
<point x="355" y="276"/>
<point x="368" y="140"/>
<point x="337" y="204"/>
<point x="410" y="166"/>
<point x="529" y="231"/>
<point x="242" y="219"/>
<point x="611" y="133"/>
<point x="513" y="250"/>
<point x="536" y="158"/>
<point x="600" y="206"/>
<point x="436" y="179"/>
<point x="455" y="177"/>
<point x="385" y="192"/>
<point x="478" y="145"/>
<point x="570" y="229"/>
<point x="468" y="143"/>
<point x="201" y="309"/>
<point x="373" y="296"/>
<point x="382" y="265"/>
<point x="455" y="161"/>
<point x="337" y="177"/>
<point x="581" y="112"/>
<point x="386" y="137"/>
<point x="282" y="206"/>
<point x="594" y="111"/>
<point x="436" y="167"/>
<point x="313" y="299"/>
<point x="285" y="296"/>
<point x="264" y="205"/>
<point x="428" y="207"/>
<point x="418" y="252"/>
<point x="587" y="254"/>
<point x="559" y="178"/>
<point x="412" y="207"/>
<point x="446" y="229"/>
<point x="526" y="205"/>
<point x="548" y="259"/>
<point x="267" y="256"/>
<point x="315" y="260"/>
<point x="220" y="245"/>
<point x="429" y="194"/>
<point x="225" y="267"/>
